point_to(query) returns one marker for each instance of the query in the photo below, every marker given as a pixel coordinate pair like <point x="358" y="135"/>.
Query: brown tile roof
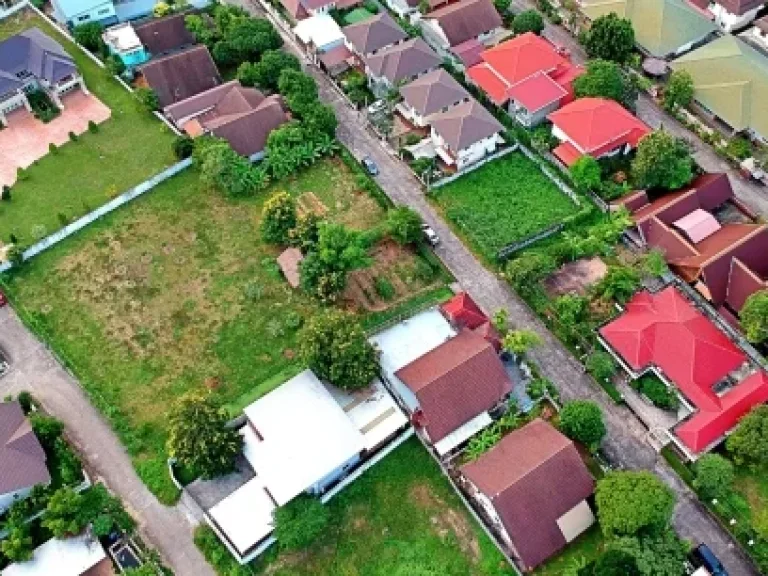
<point x="165" y="34"/>
<point x="533" y="476"/>
<point x="465" y="124"/>
<point x="22" y="458"/>
<point x="456" y="382"/>
<point x="374" y="33"/>
<point x="181" y="75"/>
<point x="465" y="20"/>
<point x="198" y="103"/>
<point x="433" y="92"/>
<point x="403" y="61"/>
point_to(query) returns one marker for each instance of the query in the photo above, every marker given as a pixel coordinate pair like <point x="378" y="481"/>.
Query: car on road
<point x="377" y="108"/>
<point x="370" y="166"/>
<point x="705" y="562"/>
<point x="430" y="235"/>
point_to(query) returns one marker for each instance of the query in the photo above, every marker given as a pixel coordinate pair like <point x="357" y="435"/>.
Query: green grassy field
<point x="129" y="148"/>
<point x="176" y="291"/>
<point x="581" y="551"/>
<point x="504" y="201"/>
<point x="357" y="15"/>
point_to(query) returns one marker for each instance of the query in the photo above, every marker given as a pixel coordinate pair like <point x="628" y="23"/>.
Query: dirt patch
<point x="286" y="560"/>
<point x="308" y="203"/>
<point x="576" y="277"/>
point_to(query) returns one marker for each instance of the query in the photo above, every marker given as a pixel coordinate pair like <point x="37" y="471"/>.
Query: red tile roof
<point x="567" y="153"/>
<point x="533" y="476"/>
<point x="462" y="311"/>
<point x="455" y="382"/>
<point x="536" y="92"/>
<point x="597" y="125"/>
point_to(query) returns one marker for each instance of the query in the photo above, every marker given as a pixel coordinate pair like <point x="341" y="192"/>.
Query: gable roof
<point x="596" y="125"/>
<point x="162" y="35"/>
<point x="22" y="458"/>
<point x="455" y="382"/>
<point x="374" y="33"/>
<point x="462" y="311"/>
<point x="32" y="52"/>
<point x="465" y="124"/>
<point x="405" y="60"/>
<point x="466" y="20"/>
<point x="433" y="92"/>
<point x="533" y="476"/>
<point x="661" y="26"/>
<point x="740" y="7"/>
<point x="181" y="75"/>
<point x="730" y="78"/>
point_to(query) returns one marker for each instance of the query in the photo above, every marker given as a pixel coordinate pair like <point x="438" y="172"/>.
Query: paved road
<point x="625" y="443"/>
<point x="33" y="368"/>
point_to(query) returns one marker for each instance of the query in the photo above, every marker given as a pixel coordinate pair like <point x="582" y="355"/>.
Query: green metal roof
<point x="731" y="79"/>
<point x="661" y="26"/>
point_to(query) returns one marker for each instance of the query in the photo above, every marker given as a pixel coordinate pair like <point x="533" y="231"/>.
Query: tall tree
<point x="582" y="420"/>
<point x="89" y="35"/>
<point x="748" y="444"/>
<point x="199" y="437"/>
<point x="528" y="21"/>
<point x="62" y="515"/>
<point x="754" y="317"/>
<point x="662" y="161"/>
<point x="334" y="346"/>
<point x="714" y="476"/>
<point x="606" y="79"/>
<point x="245" y="40"/>
<point x="586" y="174"/>
<point x="679" y="90"/>
<point x="298" y="89"/>
<point x="610" y="38"/>
<point x="278" y="218"/>
<point x="632" y="503"/>
<point x="266" y="72"/>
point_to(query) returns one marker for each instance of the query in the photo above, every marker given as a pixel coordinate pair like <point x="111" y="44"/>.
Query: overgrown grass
<point x="129" y="148"/>
<point x="584" y="549"/>
<point x="503" y="202"/>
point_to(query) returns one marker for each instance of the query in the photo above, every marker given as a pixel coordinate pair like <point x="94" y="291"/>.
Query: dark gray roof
<point x="165" y="34"/>
<point x="22" y="458"/>
<point x="466" y="20"/>
<point x="465" y="124"/>
<point x="181" y="75"/>
<point x="32" y="52"/>
<point x="433" y="92"/>
<point x="374" y="33"/>
<point x="405" y="60"/>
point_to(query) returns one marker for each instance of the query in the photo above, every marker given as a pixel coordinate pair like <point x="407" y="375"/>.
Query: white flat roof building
<point x="320" y="30"/>
<point x="70" y="557"/>
<point x="122" y="38"/>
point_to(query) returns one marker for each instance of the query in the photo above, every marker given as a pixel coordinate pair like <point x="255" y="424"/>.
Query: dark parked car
<point x="703" y="557"/>
<point x="370" y="166"/>
<point x="3" y="299"/>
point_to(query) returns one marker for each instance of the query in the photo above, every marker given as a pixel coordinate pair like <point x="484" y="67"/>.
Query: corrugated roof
<point x="465" y="20"/>
<point x="731" y="79"/>
<point x="465" y="124"/>
<point x="22" y="458"/>
<point x="374" y="33"/>
<point x="433" y="92"/>
<point x="405" y="60"/>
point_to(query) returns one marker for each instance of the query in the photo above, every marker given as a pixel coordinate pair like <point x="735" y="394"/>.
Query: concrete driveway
<point x="26" y="138"/>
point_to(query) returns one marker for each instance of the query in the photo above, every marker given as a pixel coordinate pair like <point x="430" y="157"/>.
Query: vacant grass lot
<point x="400" y="518"/>
<point x="174" y="292"/>
<point x="129" y="148"/>
<point x="504" y="201"/>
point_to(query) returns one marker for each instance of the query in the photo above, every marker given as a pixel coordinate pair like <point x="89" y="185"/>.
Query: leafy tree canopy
<point x="63" y="516"/>
<point x="528" y="21"/>
<point x="714" y="476"/>
<point x="404" y="224"/>
<point x="606" y="79"/>
<point x="298" y="89"/>
<point x="754" y="317"/>
<point x="266" y="72"/>
<point x="748" y="444"/>
<point x="520" y="341"/>
<point x="526" y="270"/>
<point x="662" y="161"/>
<point x="146" y="99"/>
<point x="586" y="174"/>
<point x="662" y="554"/>
<point x="278" y="218"/>
<point x="245" y="40"/>
<point x="89" y="35"/>
<point x="615" y="562"/>
<point x="610" y="38"/>
<point x="679" y="90"/>
<point x="582" y="421"/>
<point x="633" y="503"/>
<point x="619" y="283"/>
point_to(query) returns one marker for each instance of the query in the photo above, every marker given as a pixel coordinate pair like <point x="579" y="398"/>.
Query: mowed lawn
<point x="400" y="518"/>
<point x="505" y="201"/>
<point x="128" y="148"/>
<point x="174" y="292"/>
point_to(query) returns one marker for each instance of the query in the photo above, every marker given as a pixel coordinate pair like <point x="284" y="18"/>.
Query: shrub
<point x="525" y="271"/>
<point x="520" y="341"/>
<point x="384" y="288"/>
<point x="657" y="392"/>
<point x="631" y="503"/>
<point x="601" y="365"/>
<point x="89" y="35"/>
<point x="27" y="402"/>
<point x="92" y="127"/>
<point x="183" y="146"/>
<point x="714" y="476"/>
<point x="619" y="284"/>
<point x="404" y="225"/>
<point x="528" y="21"/>
<point x="748" y="444"/>
<point x="217" y="555"/>
<point x="72" y="137"/>
<point x="300" y="522"/>
<point x="15" y="256"/>
<point x="47" y="429"/>
<point x="115" y="65"/>
<point x="740" y="148"/>
<point x="62" y="515"/>
<point x="586" y="174"/>
<point x="754" y="317"/>
<point x="582" y="420"/>
<point x="146" y="99"/>
<point x="679" y="90"/>
<point x="161" y="9"/>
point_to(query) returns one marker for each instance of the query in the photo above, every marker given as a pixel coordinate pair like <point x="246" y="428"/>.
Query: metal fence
<point x="473" y="167"/>
<point x="510" y="249"/>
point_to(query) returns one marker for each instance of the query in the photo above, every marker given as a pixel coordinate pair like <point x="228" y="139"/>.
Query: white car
<point x="430" y="235"/>
<point x="377" y="107"/>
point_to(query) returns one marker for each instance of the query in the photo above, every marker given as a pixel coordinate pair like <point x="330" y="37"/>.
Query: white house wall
<point x="730" y="22"/>
<point x="477" y="151"/>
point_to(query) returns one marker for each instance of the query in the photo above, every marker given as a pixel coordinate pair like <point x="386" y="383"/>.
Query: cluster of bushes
<point x="355" y="86"/>
<point x="42" y="106"/>
<point x="656" y="391"/>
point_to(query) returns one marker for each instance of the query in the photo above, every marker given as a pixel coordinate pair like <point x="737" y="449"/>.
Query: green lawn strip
<point x="581" y="551"/>
<point x="357" y="15"/>
<point x="129" y="148"/>
<point x="502" y="202"/>
<point x="377" y="320"/>
<point x="239" y="404"/>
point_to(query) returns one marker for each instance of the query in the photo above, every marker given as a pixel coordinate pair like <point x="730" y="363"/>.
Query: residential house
<point x="300" y="9"/>
<point x="303" y="437"/>
<point x="463" y="313"/>
<point x="72" y="13"/>
<point x="532" y="487"/>
<point x="731" y="15"/>
<point x="461" y="28"/>
<point x="180" y="75"/>
<point x="32" y="61"/>
<point x="663" y="28"/>
<point x="527" y="75"/>
<point x="435" y="92"/>
<point x="81" y="555"/>
<point x="122" y="41"/>
<point x="161" y="36"/>
<point x="320" y="35"/>
<point x="465" y="134"/>
<point x="399" y="64"/>
<point x="665" y="334"/>
<point x="373" y="34"/>
<point x="706" y="239"/>
<point x="244" y="117"/>
<point x="730" y="80"/>
<point x="595" y="126"/>
<point x="22" y="458"/>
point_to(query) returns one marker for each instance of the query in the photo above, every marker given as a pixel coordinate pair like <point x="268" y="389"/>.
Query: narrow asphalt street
<point x="625" y="442"/>
<point x="34" y="369"/>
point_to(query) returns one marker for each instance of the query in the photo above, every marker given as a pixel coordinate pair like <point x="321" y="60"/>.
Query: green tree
<point x="266" y="72"/>
<point x="601" y="365"/>
<point x="278" y="218"/>
<point x="714" y="476"/>
<point x="660" y="554"/>
<point x="146" y="99"/>
<point x="571" y="309"/>
<point x="615" y="562"/>
<point x="679" y="90"/>
<point x="528" y="21"/>
<point x="17" y="545"/>
<point x="404" y="225"/>
<point x="63" y="515"/>
<point x="520" y="341"/>
<point x="115" y="65"/>
<point x="525" y="271"/>
<point x="199" y="437"/>
<point x="632" y="503"/>
<point x="89" y="36"/>
<point x="306" y="233"/>
<point x="319" y="118"/>
<point x="104" y="512"/>
<point x="619" y="283"/>
<point x="610" y="38"/>
<point x="748" y="444"/>
<point x="502" y="6"/>
<point x="183" y="147"/>
<point x="582" y="420"/>
<point x="244" y="40"/>
<point x="300" y="522"/>
<point x="586" y="174"/>
<point x="298" y="89"/>
<point x="223" y="169"/>
<point x="334" y="346"/>
<point x="201" y="30"/>
<point x="754" y="317"/>
<point x="662" y="161"/>
<point x="606" y="79"/>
